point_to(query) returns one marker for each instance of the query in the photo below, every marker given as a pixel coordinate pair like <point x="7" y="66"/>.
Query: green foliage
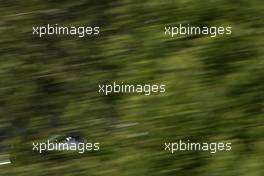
<point x="215" y="88"/>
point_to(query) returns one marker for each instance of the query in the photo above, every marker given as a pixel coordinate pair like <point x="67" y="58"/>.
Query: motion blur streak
<point x="214" y="87"/>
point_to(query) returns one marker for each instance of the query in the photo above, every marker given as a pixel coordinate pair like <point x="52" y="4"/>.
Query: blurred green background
<point x="215" y="87"/>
